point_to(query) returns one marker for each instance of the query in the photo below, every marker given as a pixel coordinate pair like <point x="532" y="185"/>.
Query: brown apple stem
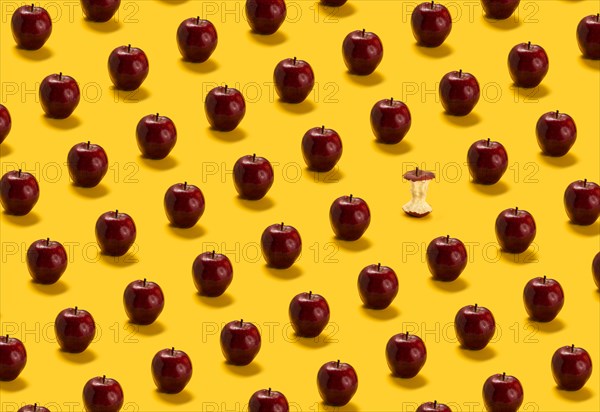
<point x="129" y="48"/>
<point x="544" y="281"/>
<point x="379" y="267"/>
<point x="213" y="254"/>
<point x="32" y="7"/>
<point x="88" y="145"/>
<point x="503" y="375"/>
<point x="310" y="294"/>
<point x="225" y="88"/>
<point x="434" y="404"/>
<point x="363" y="32"/>
<point x="488" y="142"/>
<point x="432" y="4"/>
<point x="269" y="392"/>
<point x="417" y="171"/>
<point x="172" y="350"/>
<point x="75" y="310"/>
<point x="516" y="211"/>
<point x="475" y="308"/>
<point x="253" y="157"/>
<point x="156" y="118"/>
<point x="406" y="335"/>
<point x="572" y="348"/>
<point x="281" y="225"/>
<point x="447" y="238"/>
<point x="59" y="75"/>
<point x="184" y="185"/>
<point x="391" y="101"/>
<point x="556" y="114"/>
<point x="241" y="322"/>
<point x="34" y="407"/>
<point x="323" y="129"/>
<point x="103" y="378"/>
<point x="597" y="16"/>
<point x="116" y="213"/>
<point x="460" y="73"/>
<point x="528" y="45"/>
<point x="47" y="241"/>
<point x="584" y="182"/>
<point x="295" y="60"/>
<point x="19" y="174"/>
<point x="338" y="364"/>
<point x="197" y="19"/>
<point x="350" y="198"/>
<point x="6" y="338"/>
<point x="144" y="282"/>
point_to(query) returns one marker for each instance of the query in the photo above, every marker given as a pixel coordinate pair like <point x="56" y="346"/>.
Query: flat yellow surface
<point x="300" y="198"/>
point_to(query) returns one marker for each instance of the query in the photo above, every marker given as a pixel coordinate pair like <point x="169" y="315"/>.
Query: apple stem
<point x="323" y="129"/>
<point x="269" y="392"/>
<point x="172" y="350"/>
<point x="488" y="142"/>
<point x="432" y="4"/>
<point x="6" y="338"/>
<point x="19" y="173"/>
<point x="379" y="267"/>
<point x="75" y="310"/>
<point x="516" y="211"/>
<point x="460" y="73"/>
<point x="32" y="7"/>
<point x="47" y="241"/>
<point x="88" y="145"/>
<point x="597" y="16"/>
<point x="310" y="294"/>
<point x="197" y="19"/>
<point x="572" y="348"/>
<point x="144" y="282"/>
<point x="241" y="322"/>
<point x="406" y="335"/>
<point x="503" y="375"/>
<point x="391" y="101"/>
<point x="295" y="60"/>
<point x="417" y="171"/>
<point x="475" y="308"/>
<point x="584" y="182"/>
<point x="434" y="404"/>
<point x="528" y="45"/>
<point x="34" y="407"/>
<point x="103" y="378"/>
<point x="184" y="185"/>
<point x="447" y="238"/>
<point x="225" y="88"/>
<point x="116" y="213"/>
<point x="281" y="225"/>
<point x="338" y="364"/>
<point x="254" y="157"/>
<point x="129" y="48"/>
<point x="213" y="254"/>
<point x="544" y="279"/>
<point x="350" y="198"/>
<point x="556" y="114"/>
<point x="363" y="32"/>
<point x="59" y="75"/>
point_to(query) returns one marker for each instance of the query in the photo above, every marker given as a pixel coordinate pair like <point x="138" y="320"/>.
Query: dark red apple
<point x="475" y="326"/>
<point x="499" y="9"/>
<point x="556" y="133"/>
<point x="197" y="39"/>
<point x="390" y="120"/>
<point x="128" y="67"/>
<point x="337" y="383"/>
<point x="333" y="3"/>
<point x="252" y="177"/>
<point x="46" y="261"/>
<point x="487" y="161"/>
<point x="281" y="245"/>
<point x="102" y="394"/>
<point x="294" y="80"/>
<point x="100" y="11"/>
<point x="240" y="342"/>
<point x="75" y="329"/>
<point x="433" y="407"/>
<point x="459" y="93"/>
<point x="156" y="136"/>
<point x="87" y="164"/>
<point x="349" y="217"/>
<point x="588" y="36"/>
<point x="377" y="286"/>
<point x="31" y="27"/>
<point x="59" y="95"/>
<point x="321" y="148"/>
<point x="19" y="192"/>
<point x="5" y="122"/>
<point x="582" y="202"/>
<point x="225" y="108"/>
<point x="571" y="367"/>
<point x="528" y="64"/>
<point x="502" y="393"/>
<point x="266" y="400"/>
<point x="309" y="314"/>
<point x="13" y="358"/>
<point x="406" y="355"/>
<point x="143" y="301"/>
<point x="596" y="269"/>
<point x="184" y="205"/>
<point x="171" y="370"/>
<point x="431" y="24"/>
<point x="212" y="273"/>
<point x="362" y="51"/>
<point x="265" y="16"/>
<point x="515" y="230"/>
<point x="33" y="408"/>
<point x="115" y="233"/>
<point x="446" y="258"/>
<point x="543" y="299"/>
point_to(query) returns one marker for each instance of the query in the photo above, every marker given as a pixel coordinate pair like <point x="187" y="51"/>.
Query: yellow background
<point x="298" y="197"/>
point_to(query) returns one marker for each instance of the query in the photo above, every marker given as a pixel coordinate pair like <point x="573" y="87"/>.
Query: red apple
<point x="337" y="383"/>
<point x="431" y="24"/>
<point x="225" y="108"/>
<point x="294" y="80"/>
<point x="390" y="121"/>
<point x="571" y="367"/>
<point x="582" y="202"/>
<point x="406" y="355"/>
<point x="156" y="136"/>
<point x="13" y="358"/>
<point x="433" y="407"/>
<point x="143" y="301"/>
<point x="321" y="149"/>
<point x="446" y="258"/>
<point x="59" y="95"/>
<point x="459" y="93"/>
<point x="102" y="394"/>
<point x="499" y="9"/>
<point x="115" y="233"/>
<point x="31" y="27"/>
<point x="100" y="10"/>
<point x="515" y="230"/>
<point x="596" y="269"/>
<point x="556" y="133"/>
<point x="265" y="16"/>
<point x="349" y="217"/>
<point x="281" y="245"/>
<point x="475" y="326"/>
<point x="502" y="393"/>
<point x="309" y="314"/>
<point x="267" y="400"/>
<point x="5" y="122"/>
<point x="128" y="67"/>
<point x="212" y="273"/>
<point x="362" y="51"/>
<point x="528" y="64"/>
<point x="171" y="370"/>
<point x="240" y="342"/>
<point x="588" y="36"/>
<point x="75" y="329"/>
<point x="543" y="299"/>
<point x="377" y="286"/>
<point x="33" y="408"/>
<point x="252" y="177"/>
<point x="87" y="164"/>
<point x="19" y="192"/>
<point x="184" y="205"/>
<point x="46" y="261"/>
<point x="487" y="161"/>
<point x="197" y="39"/>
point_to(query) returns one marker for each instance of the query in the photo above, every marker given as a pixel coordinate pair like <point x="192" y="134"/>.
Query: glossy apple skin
<point x="171" y="370"/>
<point x="337" y="383"/>
<point x="406" y="355"/>
<point x="59" y="95"/>
<point x="431" y="25"/>
<point x="5" y="122"/>
<point x="333" y="3"/>
<point x="225" y="108"/>
<point x="596" y="269"/>
<point x="446" y="258"/>
<point x="197" y="39"/>
<point x="31" y="27"/>
<point x="33" y="408"/>
<point x="588" y="36"/>
<point x="377" y="286"/>
<point x="87" y="164"/>
<point x="265" y="16"/>
<point x="143" y="301"/>
<point x="252" y="177"/>
<point x="556" y="133"/>
<point x="46" y="261"/>
<point x="582" y="202"/>
<point x="266" y="400"/>
<point x="100" y="11"/>
<point x="528" y="64"/>
<point x="487" y="161"/>
<point x="571" y="367"/>
<point x="499" y="9"/>
<point x="212" y="273"/>
<point x="349" y="217"/>
<point x="184" y="205"/>
<point x="13" y="358"/>
<point x="390" y="121"/>
<point x="156" y="136"/>
<point x="128" y="67"/>
<point x="19" y="192"/>
<point x="294" y="80"/>
<point x="281" y="245"/>
<point x="459" y="93"/>
<point x="475" y="326"/>
<point x="115" y="233"/>
<point x="240" y="342"/>
<point x="102" y="394"/>
<point x="321" y="149"/>
<point x="362" y="51"/>
<point x="433" y="407"/>
<point x="75" y="329"/>
<point x="502" y="393"/>
<point x="309" y="314"/>
<point x="543" y="299"/>
<point x="515" y="230"/>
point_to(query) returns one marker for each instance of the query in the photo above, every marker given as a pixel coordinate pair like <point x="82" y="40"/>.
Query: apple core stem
<point x="47" y="241"/>
<point x="417" y="171"/>
<point x="6" y="338"/>
<point x="225" y="88"/>
<point x="434" y="404"/>
<point x="597" y="16"/>
<point x="391" y="101"/>
<point x="34" y="407"/>
<point x="350" y="197"/>
<point x="407" y="335"/>
<point x="156" y="118"/>
<point x="184" y="185"/>
<point x="556" y="114"/>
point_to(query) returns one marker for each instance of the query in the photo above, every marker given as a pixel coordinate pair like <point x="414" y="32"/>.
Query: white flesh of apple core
<point x="418" y="205"/>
